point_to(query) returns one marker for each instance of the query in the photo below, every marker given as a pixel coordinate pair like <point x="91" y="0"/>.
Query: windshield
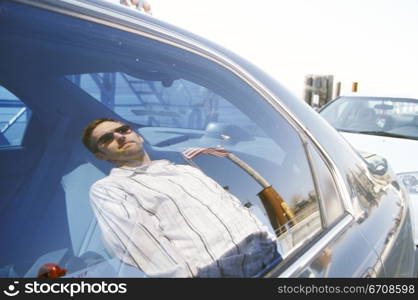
<point x="380" y="116"/>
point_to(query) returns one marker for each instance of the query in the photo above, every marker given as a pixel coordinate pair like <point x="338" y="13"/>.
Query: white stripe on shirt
<point x="173" y="221"/>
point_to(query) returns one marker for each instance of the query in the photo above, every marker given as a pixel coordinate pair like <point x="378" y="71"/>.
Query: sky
<point x="372" y="42"/>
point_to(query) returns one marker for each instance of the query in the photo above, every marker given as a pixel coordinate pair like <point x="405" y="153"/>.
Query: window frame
<point x="326" y="222"/>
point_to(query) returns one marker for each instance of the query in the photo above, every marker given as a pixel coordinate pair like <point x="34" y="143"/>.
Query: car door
<point x="177" y="93"/>
<point x="212" y="117"/>
<point x="341" y="250"/>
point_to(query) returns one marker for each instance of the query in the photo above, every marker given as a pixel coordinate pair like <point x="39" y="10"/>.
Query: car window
<point x="334" y="113"/>
<point x="175" y="99"/>
<point x="393" y="116"/>
<point x="332" y="206"/>
<point x="14" y="117"/>
<point x="185" y="115"/>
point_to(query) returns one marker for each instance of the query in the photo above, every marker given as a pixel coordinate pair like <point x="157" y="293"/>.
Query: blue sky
<point x="374" y="42"/>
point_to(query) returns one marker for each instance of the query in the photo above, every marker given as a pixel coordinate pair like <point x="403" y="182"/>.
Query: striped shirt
<point x="174" y="221"/>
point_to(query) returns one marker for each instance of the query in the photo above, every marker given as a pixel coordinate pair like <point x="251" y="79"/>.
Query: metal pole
<point x="338" y="89"/>
<point x="308" y="89"/>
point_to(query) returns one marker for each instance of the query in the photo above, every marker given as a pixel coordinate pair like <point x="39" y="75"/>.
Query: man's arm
<point x="132" y="234"/>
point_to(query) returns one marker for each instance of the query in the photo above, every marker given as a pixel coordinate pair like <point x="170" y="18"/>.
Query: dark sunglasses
<point x="109" y="136"/>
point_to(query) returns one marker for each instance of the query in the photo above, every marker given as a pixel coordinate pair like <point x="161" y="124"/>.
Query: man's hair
<point x="88" y="130"/>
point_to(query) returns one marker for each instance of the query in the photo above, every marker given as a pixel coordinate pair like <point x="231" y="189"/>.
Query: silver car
<point x="384" y="125"/>
<point x="65" y="63"/>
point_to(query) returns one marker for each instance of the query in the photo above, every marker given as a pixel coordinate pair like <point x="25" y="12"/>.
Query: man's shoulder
<point x="106" y="188"/>
<point x="184" y="166"/>
<point x="189" y="168"/>
<point x="106" y="181"/>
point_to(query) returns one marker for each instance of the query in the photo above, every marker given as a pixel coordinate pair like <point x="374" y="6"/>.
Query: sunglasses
<point x="109" y="136"/>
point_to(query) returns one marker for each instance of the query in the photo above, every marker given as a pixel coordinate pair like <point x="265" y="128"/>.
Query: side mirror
<point x="376" y="164"/>
<point x="379" y="166"/>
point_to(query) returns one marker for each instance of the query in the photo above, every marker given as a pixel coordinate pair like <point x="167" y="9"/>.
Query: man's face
<point x="117" y="143"/>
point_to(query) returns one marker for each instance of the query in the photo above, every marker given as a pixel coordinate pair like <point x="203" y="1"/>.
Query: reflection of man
<point x="171" y="220"/>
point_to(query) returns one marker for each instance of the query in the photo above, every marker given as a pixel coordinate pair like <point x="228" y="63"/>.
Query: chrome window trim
<point x="336" y="175"/>
<point x="306" y="258"/>
<point x="323" y="215"/>
<point x="99" y="15"/>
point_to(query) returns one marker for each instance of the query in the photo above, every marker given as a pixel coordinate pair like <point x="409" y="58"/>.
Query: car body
<point x="65" y="63"/>
<point x="390" y="130"/>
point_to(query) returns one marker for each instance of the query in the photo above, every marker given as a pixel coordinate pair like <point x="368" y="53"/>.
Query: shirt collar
<point x="126" y="171"/>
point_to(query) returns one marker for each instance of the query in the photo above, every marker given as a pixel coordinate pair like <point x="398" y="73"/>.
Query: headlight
<point x="410" y="180"/>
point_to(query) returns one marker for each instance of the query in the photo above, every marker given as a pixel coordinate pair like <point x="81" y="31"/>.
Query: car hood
<point x="399" y="152"/>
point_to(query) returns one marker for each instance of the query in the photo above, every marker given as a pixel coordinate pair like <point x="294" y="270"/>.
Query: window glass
<point x="334" y="112"/>
<point x="176" y="100"/>
<point x="181" y="104"/>
<point x="397" y="116"/>
<point x="14" y="117"/>
<point x="193" y="115"/>
<point x="330" y="200"/>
